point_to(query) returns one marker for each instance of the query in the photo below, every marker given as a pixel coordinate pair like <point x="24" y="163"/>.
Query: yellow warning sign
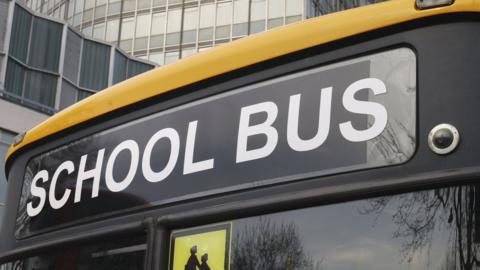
<point x="205" y="248"/>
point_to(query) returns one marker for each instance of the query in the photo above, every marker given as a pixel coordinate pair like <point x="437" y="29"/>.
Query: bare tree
<point x="267" y="246"/>
<point x="418" y="215"/>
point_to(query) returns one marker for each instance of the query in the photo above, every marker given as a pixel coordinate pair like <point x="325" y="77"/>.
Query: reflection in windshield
<point x="122" y="254"/>
<point x="435" y="229"/>
<point x="418" y="216"/>
<point x="270" y="246"/>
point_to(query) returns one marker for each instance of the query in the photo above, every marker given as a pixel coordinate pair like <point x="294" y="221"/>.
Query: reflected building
<point x="163" y="31"/>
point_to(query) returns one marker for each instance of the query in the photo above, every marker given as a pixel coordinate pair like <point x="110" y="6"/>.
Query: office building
<point x="166" y="30"/>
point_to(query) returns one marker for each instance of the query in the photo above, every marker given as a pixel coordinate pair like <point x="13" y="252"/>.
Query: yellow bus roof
<point x="236" y="55"/>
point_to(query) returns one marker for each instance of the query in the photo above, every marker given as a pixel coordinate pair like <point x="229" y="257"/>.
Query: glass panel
<point x="83" y="94"/>
<point x="118" y="254"/>
<point x="258" y="16"/>
<point x="205" y="34"/>
<point x="156" y="41"/>
<point x="188" y="52"/>
<point x="222" y="32"/>
<point x="190" y="20"/>
<point x="422" y="230"/>
<point x="143" y="26"/>
<point x="126" y="45"/>
<point x="141" y="43"/>
<point x="99" y="31"/>
<point x="135" y="68"/>
<point x="171" y="57"/>
<point x="174" y="2"/>
<point x="174" y="21"/>
<point x="158" y="23"/>
<point x="87" y="31"/>
<point x="77" y="19"/>
<point x="189" y="37"/>
<point x="128" y="27"/>
<point x="294" y="7"/>
<point x="157" y="58"/>
<point x="293" y="19"/>
<point x="95" y="65"/>
<point x="143" y="4"/>
<point x="14" y="78"/>
<point x="89" y="4"/>
<point x="172" y="39"/>
<point x="62" y="12"/>
<point x="87" y="15"/>
<point x="207" y="21"/>
<point x="190" y="24"/>
<point x="157" y="3"/>
<point x="71" y="5"/>
<point x="120" y="68"/>
<point x="114" y="8"/>
<point x="257" y="26"/>
<point x="258" y="10"/>
<point x="240" y="11"/>
<point x="41" y="88"/>
<point x="22" y="21"/>
<point x="129" y="5"/>
<point x="276" y="8"/>
<point x="78" y="6"/>
<point x="207" y="15"/>
<point x="100" y="11"/>
<point x="240" y="29"/>
<point x="224" y="14"/>
<point x="45" y="45"/>
<point x="272" y="23"/>
<point x="112" y="30"/>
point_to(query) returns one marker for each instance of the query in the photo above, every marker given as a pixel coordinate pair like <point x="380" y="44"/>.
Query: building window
<point x="224" y="20"/>
<point x="112" y="30"/>
<point x="174" y="23"/>
<point x="257" y="15"/>
<point x="158" y="30"/>
<point x="207" y="20"/>
<point x="190" y="22"/>
<point x="120" y="67"/>
<point x="240" y="18"/>
<point x="45" y="45"/>
<point x="276" y="12"/>
<point x="142" y="29"/>
<point x="22" y="21"/>
<point x="95" y="63"/>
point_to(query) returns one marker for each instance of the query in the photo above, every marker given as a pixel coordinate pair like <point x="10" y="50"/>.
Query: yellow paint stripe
<point x="238" y="54"/>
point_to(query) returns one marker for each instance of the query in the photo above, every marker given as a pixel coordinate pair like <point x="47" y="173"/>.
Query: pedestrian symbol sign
<point x="204" y="248"/>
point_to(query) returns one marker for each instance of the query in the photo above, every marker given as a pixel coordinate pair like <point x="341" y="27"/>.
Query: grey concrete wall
<point x="17" y="118"/>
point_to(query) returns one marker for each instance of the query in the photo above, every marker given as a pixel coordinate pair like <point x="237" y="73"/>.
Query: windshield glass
<point x="433" y="229"/>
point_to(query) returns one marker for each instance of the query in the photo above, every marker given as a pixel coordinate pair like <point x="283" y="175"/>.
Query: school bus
<point x="347" y="141"/>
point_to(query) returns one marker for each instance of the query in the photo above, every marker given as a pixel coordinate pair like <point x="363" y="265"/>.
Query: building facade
<point x="45" y="66"/>
<point x="163" y="31"/>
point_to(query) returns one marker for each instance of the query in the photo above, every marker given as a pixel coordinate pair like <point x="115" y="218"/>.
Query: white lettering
<point x="132" y="147"/>
<point x="294" y="141"/>
<point x="94" y="174"/>
<point x="170" y="134"/>
<point x="54" y="203"/>
<point x="39" y="192"/>
<point x="377" y="110"/>
<point x="188" y="165"/>
<point x="245" y="131"/>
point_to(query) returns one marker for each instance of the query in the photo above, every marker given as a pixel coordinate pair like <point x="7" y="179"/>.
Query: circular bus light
<point x="443" y="139"/>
